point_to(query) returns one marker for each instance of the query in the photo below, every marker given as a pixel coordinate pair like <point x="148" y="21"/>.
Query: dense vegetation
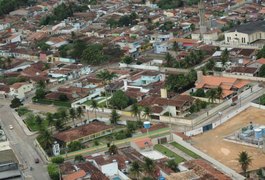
<point x="7" y="6"/>
<point x="62" y="12"/>
<point x="181" y="82"/>
<point x="170" y="4"/>
<point x="123" y="21"/>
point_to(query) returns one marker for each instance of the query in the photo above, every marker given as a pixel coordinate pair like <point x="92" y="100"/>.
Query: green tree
<point x="169" y="60"/>
<point x="93" y="54"/>
<point x="210" y="64"/>
<point x="53" y="171"/>
<point x="63" y="97"/>
<point x="79" y="158"/>
<point x="262" y="71"/>
<point x="261" y="53"/>
<point x="50" y="119"/>
<point x="113" y="149"/>
<point x="94" y="106"/>
<point x="170" y="4"/>
<point x="73" y="115"/>
<point x="119" y="100"/>
<point x="15" y="103"/>
<point x="212" y="95"/>
<point x="58" y="160"/>
<point x="115" y="117"/>
<point x="147" y="112"/>
<point x="127" y="59"/>
<point x="172" y="165"/>
<point x="79" y="112"/>
<point x="224" y="57"/>
<point x="135" y="169"/>
<point x="244" y="160"/>
<point x="106" y="77"/>
<point x="40" y="93"/>
<point x="75" y="146"/>
<point x="149" y="166"/>
<point x="136" y="112"/>
<point x="45" y="139"/>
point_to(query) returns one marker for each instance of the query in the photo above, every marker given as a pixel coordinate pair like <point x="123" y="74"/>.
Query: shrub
<point x="58" y="160"/>
<point x="53" y="171"/>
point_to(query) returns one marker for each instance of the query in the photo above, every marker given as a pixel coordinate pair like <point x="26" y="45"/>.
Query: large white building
<point x="246" y="34"/>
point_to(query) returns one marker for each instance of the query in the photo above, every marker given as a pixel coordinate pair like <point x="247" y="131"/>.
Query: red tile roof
<point x="75" y="176"/>
<point x="143" y="142"/>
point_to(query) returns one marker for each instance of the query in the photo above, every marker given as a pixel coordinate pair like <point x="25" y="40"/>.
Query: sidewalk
<point x="22" y="124"/>
<point x="178" y="152"/>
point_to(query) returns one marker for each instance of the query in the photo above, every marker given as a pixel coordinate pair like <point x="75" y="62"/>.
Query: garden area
<point x="185" y="150"/>
<point x="168" y="153"/>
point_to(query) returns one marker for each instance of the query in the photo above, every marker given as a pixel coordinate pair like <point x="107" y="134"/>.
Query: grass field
<point x="185" y="150"/>
<point x="168" y="153"/>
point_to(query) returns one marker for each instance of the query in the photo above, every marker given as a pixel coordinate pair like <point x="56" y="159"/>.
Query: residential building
<point x="20" y="90"/>
<point x="230" y="86"/>
<point x="84" y="133"/>
<point x="143" y="144"/>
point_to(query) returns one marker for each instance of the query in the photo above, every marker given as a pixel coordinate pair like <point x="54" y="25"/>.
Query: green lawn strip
<point x="168" y="153"/>
<point x="54" y="102"/>
<point x="185" y="150"/>
<point x="32" y="125"/>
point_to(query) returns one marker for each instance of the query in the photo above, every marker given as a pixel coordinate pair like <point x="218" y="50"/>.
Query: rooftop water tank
<point x="258" y="133"/>
<point x="147" y="125"/>
<point x="263" y="130"/>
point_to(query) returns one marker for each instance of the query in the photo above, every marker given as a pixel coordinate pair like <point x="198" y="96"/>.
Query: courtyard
<point x="213" y="143"/>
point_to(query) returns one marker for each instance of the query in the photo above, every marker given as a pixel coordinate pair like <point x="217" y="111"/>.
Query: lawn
<point x="33" y="126"/>
<point x="185" y="150"/>
<point x="54" y="102"/>
<point x="168" y="153"/>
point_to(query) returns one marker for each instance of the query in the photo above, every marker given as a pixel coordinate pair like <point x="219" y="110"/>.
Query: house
<point x="84" y="170"/>
<point x="20" y="90"/>
<point x="162" y="47"/>
<point x="84" y="133"/>
<point x="14" y="38"/>
<point x="143" y="144"/>
<point x="115" y="165"/>
<point x="57" y="42"/>
<point x="245" y="71"/>
<point x="207" y="37"/>
<point x="198" y="169"/>
<point x="177" y="106"/>
<point x="246" y="33"/>
<point x="4" y="91"/>
<point x="230" y="86"/>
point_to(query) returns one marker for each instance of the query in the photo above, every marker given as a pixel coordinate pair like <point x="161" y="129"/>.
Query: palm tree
<point x="63" y="115"/>
<point x="224" y="57"/>
<point x="219" y="93"/>
<point x="50" y="119"/>
<point x="244" y="160"/>
<point x="106" y="77"/>
<point x="169" y="60"/>
<point x="212" y="95"/>
<point x="136" y="112"/>
<point x="115" y="117"/>
<point x="45" y="138"/>
<point x="149" y="166"/>
<point x="73" y="115"/>
<point x="135" y="169"/>
<point x="147" y="112"/>
<point x="94" y="106"/>
<point x="79" y="112"/>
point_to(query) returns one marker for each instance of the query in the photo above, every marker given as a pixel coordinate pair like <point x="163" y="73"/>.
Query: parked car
<point x="36" y="160"/>
<point x="11" y="127"/>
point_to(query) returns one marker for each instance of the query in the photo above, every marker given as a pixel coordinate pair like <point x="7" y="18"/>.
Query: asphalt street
<point x="23" y="146"/>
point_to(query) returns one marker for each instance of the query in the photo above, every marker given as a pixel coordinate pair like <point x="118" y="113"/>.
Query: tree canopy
<point x="170" y="4"/>
<point x="119" y="100"/>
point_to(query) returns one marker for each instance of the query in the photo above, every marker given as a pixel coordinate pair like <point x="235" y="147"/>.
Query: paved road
<point x="22" y="145"/>
<point x="229" y="110"/>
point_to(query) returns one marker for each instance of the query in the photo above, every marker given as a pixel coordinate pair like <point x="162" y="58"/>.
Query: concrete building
<point x="249" y="33"/>
<point x="20" y="90"/>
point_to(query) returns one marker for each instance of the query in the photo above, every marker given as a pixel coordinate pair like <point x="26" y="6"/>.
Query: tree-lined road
<point x="23" y="146"/>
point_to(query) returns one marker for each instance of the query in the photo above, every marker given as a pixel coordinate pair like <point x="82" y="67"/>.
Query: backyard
<point x="168" y="153"/>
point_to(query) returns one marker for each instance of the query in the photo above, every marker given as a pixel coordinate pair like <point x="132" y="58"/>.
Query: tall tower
<point x="203" y="27"/>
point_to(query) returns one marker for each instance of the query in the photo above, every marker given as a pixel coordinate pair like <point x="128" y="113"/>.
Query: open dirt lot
<point x="213" y="144"/>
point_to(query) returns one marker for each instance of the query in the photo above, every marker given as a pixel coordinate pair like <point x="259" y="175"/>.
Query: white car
<point x="11" y="127"/>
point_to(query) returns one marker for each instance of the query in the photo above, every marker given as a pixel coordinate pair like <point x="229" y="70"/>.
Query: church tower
<point x="203" y="27"/>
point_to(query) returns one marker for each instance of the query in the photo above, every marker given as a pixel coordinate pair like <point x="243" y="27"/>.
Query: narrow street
<point x="23" y="146"/>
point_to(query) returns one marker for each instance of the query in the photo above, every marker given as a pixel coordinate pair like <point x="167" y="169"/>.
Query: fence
<point x="231" y="173"/>
<point x="259" y="79"/>
<point x="41" y="151"/>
